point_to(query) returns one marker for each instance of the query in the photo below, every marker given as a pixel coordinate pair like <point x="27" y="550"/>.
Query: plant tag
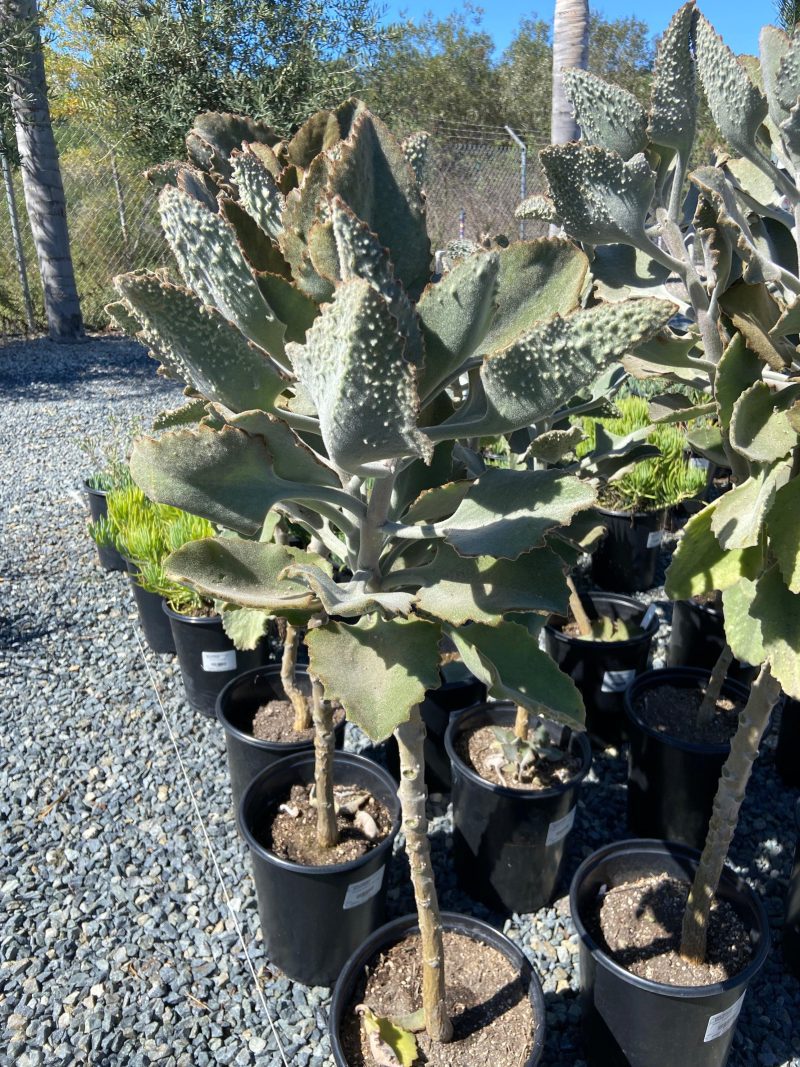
<point x="699" y="461"/>
<point x="559" y="829"/>
<point x="722" y="1022"/>
<point x="617" y="681"/>
<point x="654" y="538"/>
<point x="359" y="892"/>
<point x="219" y="661"/>
<point x="648" y="617"/>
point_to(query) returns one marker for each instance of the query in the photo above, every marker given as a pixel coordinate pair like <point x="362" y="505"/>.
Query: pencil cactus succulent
<point x="727" y="249"/>
<point x="308" y="325"/>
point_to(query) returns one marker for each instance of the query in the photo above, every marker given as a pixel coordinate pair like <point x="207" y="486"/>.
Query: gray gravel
<point x="116" y="945"/>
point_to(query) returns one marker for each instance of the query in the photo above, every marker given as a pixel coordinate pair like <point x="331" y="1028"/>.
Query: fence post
<point x="523" y="174"/>
<point x="19" y="251"/>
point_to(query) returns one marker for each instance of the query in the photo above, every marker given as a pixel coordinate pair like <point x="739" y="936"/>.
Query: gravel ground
<point x="117" y="944"/>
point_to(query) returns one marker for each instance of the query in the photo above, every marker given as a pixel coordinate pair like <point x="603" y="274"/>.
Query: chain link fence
<point x="473" y="182"/>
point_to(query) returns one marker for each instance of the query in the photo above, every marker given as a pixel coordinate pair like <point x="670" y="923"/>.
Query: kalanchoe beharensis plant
<point x="725" y="246"/>
<point x="307" y="325"/>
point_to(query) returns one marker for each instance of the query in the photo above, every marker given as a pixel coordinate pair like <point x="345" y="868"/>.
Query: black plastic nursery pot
<point x="625" y="560"/>
<point x="508" y="844"/>
<point x="698" y="637"/>
<point x="110" y="558"/>
<point x="437" y="709"/>
<point x="787" y="753"/>
<point x="207" y="658"/>
<point x="353" y="973"/>
<point x="634" y="1022"/>
<point x="155" y="624"/>
<point x="236" y="705"/>
<point x="603" y="670"/>
<point x="314" y="918"/>
<point x="791" y="922"/>
<point x="671" y="782"/>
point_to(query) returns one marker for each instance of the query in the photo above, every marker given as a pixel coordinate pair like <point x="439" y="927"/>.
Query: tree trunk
<point x="41" y="177"/>
<point x="324" y="750"/>
<point x="16" y="235"/>
<point x="570" y="49"/>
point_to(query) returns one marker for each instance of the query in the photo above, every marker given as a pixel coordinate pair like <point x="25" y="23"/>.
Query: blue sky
<point x="738" y="21"/>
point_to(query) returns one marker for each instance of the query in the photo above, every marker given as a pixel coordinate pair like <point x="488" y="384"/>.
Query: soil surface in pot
<point x="672" y="710"/>
<point x="480" y="750"/>
<point x="486" y="999"/>
<point x="629" y="631"/>
<point x="274" y="721"/>
<point x="290" y="830"/>
<point x="640" y="924"/>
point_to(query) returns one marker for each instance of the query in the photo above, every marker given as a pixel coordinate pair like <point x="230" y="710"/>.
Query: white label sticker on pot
<point x="559" y="829"/>
<point x="654" y="538"/>
<point x="361" y="891"/>
<point x="616" y="681"/>
<point x="219" y="661"/>
<point x="699" y="461"/>
<point x="648" y="616"/>
<point x="722" y="1022"/>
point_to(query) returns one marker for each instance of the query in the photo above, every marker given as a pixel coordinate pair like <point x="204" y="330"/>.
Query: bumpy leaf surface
<point x="673" y="103"/>
<point x="608" y="115"/>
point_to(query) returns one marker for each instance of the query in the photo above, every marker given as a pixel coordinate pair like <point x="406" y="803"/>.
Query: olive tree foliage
<point x="723" y="242"/>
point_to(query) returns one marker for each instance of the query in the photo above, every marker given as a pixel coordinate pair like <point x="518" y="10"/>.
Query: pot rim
<point x="397" y="929"/>
<point x="634" y="514"/>
<point x="193" y="620"/>
<point x="91" y="489"/>
<point x="648" y="845"/>
<point x="501" y="790"/>
<point x="597" y="595"/>
<point x="342" y="758"/>
<point x="651" y="679"/>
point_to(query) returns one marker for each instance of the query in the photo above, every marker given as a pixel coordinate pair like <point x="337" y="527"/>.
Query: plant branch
<point x="413" y="795"/>
<point x="302" y="714"/>
<point x="521" y="723"/>
<point x="706" y="710"/>
<point x="324" y="747"/>
<point x="373" y="531"/>
<point x="578" y="610"/>
<point x="753" y="721"/>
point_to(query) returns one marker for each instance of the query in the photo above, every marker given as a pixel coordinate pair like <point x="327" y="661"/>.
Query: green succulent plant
<point x="308" y="325"/>
<point x="726" y="251"/>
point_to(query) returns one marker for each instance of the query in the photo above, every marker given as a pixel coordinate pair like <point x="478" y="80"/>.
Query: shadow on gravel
<point x="40" y="369"/>
<point x="15" y="632"/>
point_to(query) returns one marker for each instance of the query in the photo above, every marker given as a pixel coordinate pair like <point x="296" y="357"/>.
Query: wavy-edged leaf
<point x="507" y="659"/>
<point x="620" y="272"/>
<point x="553" y="445"/>
<point x="459" y="590"/>
<point x="348" y="599"/>
<point x="390" y="1044"/>
<point x="675" y="407"/>
<point x="707" y="441"/>
<point x="673" y="100"/>
<point x="296" y="310"/>
<point x="212" y="263"/>
<point x="738" y="369"/>
<point x="783" y="524"/>
<point x="216" y="134"/>
<point x="667" y="355"/>
<point x="701" y="565"/>
<point x="185" y="415"/>
<point x="201" y="345"/>
<point x="537" y="207"/>
<point x="740" y="513"/>
<point x="742" y="631"/>
<point x="759" y="429"/>
<point x="292" y="458"/>
<point x="507" y="513"/>
<point x="777" y="610"/>
<point x="437" y="503"/>
<point x="377" y="669"/>
<point x="258" y="192"/>
<point x="244" y="626"/>
<point x="354" y="369"/>
<point x="608" y="115"/>
<point x="599" y="197"/>
<point x="773" y="46"/>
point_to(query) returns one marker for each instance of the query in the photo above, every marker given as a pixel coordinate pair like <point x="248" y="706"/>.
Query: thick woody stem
<point x="324" y="747"/>
<point x="577" y="609"/>
<point x="753" y="721"/>
<point x="521" y="723"/>
<point x="413" y="794"/>
<point x="705" y="712"/>
<point x="302" y="713"/>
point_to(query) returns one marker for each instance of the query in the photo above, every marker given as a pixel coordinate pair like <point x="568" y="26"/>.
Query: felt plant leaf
<point x="185" y="415"/>
<point x="620" y="272"/>
<point x="608" y="115"/>
<point x="759" y="429"/>
<point x="347" y="599"/>
<point x="599" y="197"/>
<point x="674" y="407"/>
<point x="289" y="303"/>
<point x="537" y="207"/>
<point x="506" y="513"/>
<point x="740" y="513"/>
<point x="777" y="609"/>
<point x="437" y="503"/>
<point x="738" y="369"/>
<point x="354" y="369"/>
<point x="246" y="573"/>
<point x="707" y="441"/>
<point x="459" y="590"/>
<point x="212" y="263"/>
<point x="215" y="135"/>
<point x="773" y="46"/>
<point x="389" y="1044"/>
<point x="667" y="356"/>
<point x="378" y="669"/>
<point x="783" y="524"/>
<point x="292" y="458"/>
<point x="742" y="631"/>
<point x="701" y="565"/>
<point x="258" y="191"/>
<point x="788" y="323"/>
<point x="673" y="100"/>
<point x="507" y="659"/>
<point x="198" y="343"/>
<point x="553" y="445"/>
<point x="244" y="626"/>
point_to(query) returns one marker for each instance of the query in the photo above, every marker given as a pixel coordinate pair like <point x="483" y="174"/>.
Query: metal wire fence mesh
<point x="472" y="180"/>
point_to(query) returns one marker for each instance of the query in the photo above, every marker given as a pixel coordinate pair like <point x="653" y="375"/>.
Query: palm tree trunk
<point x="41" y="176"/>
<point x="570" y="49"/>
